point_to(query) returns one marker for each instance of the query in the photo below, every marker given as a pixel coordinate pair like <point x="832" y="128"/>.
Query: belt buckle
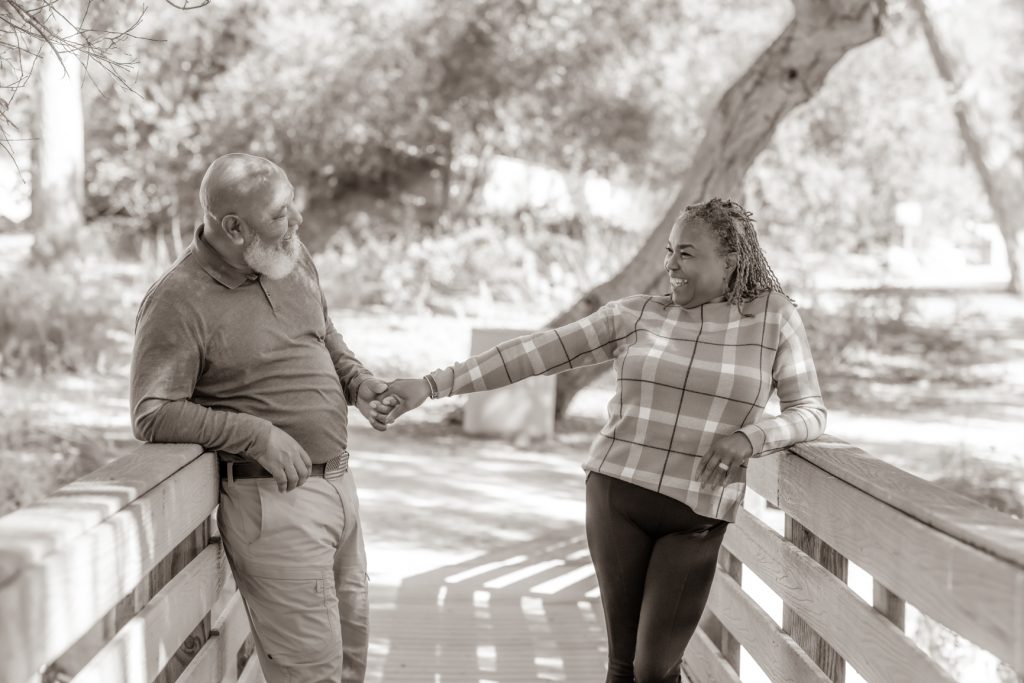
<point x="336" y="466"/>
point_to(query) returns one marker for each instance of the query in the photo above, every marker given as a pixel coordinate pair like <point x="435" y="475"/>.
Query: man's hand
<point x="406" y="395"/>
<point x="286" y="460"/>
<point x="374" y="407"/>
<point x="727" y="455"/>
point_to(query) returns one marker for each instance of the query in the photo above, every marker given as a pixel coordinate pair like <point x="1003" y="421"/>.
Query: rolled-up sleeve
<point x="166" y="363"/>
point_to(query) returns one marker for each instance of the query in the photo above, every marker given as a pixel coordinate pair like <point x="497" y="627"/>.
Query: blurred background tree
<point x="492" y="162"/>
<point x="52" y="46"/>
<point x="401" y="123"/>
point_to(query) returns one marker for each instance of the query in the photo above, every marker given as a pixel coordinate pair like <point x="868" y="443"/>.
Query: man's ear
<point x="233" y="227"/>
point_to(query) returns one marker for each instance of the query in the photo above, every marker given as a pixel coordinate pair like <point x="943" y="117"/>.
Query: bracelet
<point x="432" y="384"/>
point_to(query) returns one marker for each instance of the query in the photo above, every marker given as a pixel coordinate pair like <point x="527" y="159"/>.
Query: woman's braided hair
<point x="733" y="226"/>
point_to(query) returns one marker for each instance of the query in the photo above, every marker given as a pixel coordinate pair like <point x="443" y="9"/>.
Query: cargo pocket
<point x="241" y="510"/>
<point x="295" y="615"/>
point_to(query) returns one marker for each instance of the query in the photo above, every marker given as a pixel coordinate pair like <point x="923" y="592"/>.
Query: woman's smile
<point x="676" y="281"/>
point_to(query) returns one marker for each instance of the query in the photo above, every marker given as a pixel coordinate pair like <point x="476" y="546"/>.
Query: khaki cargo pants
<point x="300" y="565"/>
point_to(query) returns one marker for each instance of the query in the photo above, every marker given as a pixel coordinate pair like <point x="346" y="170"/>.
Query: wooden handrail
<point x="110" y="575"/>
<point x="954" y="560"/>
<point x="101" y="560"/>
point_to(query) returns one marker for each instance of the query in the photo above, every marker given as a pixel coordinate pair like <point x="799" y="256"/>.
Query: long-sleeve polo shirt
<point x="222" y="356"/>
<point x="684" y="378"/>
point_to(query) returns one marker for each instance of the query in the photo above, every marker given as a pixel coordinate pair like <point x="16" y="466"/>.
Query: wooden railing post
<point x="709" y="623"/>
<point x="827" y="659"/>
<point x="889" y="604"/>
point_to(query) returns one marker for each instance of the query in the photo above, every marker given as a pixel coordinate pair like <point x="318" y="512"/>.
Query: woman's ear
<point x="731" y="261"/>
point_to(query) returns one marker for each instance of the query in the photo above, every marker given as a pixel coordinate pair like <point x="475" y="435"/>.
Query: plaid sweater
<point x="684" y="377"/>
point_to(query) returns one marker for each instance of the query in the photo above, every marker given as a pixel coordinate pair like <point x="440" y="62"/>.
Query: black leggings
<point x="655" y="559"/>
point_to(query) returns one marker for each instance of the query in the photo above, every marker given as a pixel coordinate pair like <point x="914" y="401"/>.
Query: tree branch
<point x="785" y="75"/>
<point x="30" y="31"/>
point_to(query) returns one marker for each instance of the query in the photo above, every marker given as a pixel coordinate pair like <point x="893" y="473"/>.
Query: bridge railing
<point x="955" y="561"/>
<point x="118" y="576"/>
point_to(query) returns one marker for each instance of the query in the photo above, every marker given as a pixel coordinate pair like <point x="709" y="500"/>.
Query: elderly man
<point x="235" y="351"/>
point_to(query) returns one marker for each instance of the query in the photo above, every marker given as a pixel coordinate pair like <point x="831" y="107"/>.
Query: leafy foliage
<point x="517" y="260"/>
<point x="58" y="322"/>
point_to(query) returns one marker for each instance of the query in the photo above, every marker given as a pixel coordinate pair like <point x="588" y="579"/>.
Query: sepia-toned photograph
<point x="501" y="341"/>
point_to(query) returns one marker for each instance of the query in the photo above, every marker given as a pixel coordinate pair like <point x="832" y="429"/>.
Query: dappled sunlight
<point x="516" y="613"/>
<point x="465" y="166"/>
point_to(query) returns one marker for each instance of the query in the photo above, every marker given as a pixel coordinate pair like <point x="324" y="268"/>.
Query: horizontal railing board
<point x="217" y="659"/>
<point x="32" y="532"/>
<point x="862" y="636"/>
<point x="973" y="592"/>
<point x="144" y="646"/>
<point x="763" y="476"/>
<point x="704" y="663"/>
<point x="956" y="515"/>
<point x="59" y="597"/>
<point x="252" y="673"/>
<point x="778" y="655"/>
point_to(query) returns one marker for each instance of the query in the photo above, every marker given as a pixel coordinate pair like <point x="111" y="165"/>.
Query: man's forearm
<point x="350" y="371"/>
<point x="187" y="422"/>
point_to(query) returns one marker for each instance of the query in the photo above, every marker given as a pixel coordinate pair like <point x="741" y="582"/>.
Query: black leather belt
<point x="335" y="467"/>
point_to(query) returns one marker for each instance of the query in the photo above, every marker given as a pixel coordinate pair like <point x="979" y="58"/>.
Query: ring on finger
<point x="722" y="466"/>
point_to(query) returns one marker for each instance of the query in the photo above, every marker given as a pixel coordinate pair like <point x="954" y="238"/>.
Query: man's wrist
<point x="356" y="384"/>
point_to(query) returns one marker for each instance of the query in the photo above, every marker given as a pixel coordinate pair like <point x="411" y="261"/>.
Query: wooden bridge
<point x="119" y="577"/>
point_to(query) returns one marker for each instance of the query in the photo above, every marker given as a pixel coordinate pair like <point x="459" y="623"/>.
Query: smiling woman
<point x="713" y="252"/>
<point x="695" y="369"/>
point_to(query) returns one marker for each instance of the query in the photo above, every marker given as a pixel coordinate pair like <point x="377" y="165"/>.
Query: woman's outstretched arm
<point x="593" y="339"/>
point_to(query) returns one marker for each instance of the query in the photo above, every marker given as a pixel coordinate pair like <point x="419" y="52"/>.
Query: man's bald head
<point x="249" y="214"/>
<point x="236" y="183"/>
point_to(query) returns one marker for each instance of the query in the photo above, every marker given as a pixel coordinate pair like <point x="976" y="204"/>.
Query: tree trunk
<point x="786" y="74"/>
<point x="58" y="185"/>
<point x="1001" y="183"/>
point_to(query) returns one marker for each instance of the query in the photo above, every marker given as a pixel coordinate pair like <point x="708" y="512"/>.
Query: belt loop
<point x="231" y="473"/>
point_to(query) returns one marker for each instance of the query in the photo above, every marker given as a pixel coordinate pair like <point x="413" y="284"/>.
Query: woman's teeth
<point x="677" y="281"/>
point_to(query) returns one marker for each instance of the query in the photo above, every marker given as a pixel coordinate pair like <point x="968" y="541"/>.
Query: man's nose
<point x="296" y="216"/>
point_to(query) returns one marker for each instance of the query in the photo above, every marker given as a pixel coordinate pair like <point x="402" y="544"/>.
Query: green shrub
<point x="995" y="485"/>
<point x="58" y="321"/>
<point x="520" y="259"/>
<point x="35" y="462"/>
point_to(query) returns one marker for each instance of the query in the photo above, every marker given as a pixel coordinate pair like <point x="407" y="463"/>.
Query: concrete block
<point x="524" y="409"/>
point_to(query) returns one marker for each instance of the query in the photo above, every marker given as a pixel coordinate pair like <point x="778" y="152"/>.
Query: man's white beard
<point x="273" y="261"/>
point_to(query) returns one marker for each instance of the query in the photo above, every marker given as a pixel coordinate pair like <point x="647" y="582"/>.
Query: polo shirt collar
<point x="214" y="264"/>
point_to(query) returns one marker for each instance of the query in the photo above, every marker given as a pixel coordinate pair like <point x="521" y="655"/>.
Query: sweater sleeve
<point x="588" y="341"/>
<point x="802" y="416"/>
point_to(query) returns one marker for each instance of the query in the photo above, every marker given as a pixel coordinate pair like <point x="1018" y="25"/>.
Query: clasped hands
<point x="394" y="399"/>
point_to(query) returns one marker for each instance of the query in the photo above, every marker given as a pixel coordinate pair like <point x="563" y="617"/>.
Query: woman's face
<point x="697" y="272"/>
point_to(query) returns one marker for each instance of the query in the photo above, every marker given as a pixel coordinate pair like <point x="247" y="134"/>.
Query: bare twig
<point x="188" y="4"/>
<point x="30" y="29"/>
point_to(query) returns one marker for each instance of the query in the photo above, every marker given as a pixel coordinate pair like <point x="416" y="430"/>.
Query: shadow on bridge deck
<point x="527" y="612"/>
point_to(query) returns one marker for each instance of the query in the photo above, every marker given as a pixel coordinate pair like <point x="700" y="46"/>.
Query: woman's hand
<point x="407" y="393"/>
<point x="727" y="455"/>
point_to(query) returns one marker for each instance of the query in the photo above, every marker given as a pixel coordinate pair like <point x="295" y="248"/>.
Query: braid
<point x="733" y="226"/>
